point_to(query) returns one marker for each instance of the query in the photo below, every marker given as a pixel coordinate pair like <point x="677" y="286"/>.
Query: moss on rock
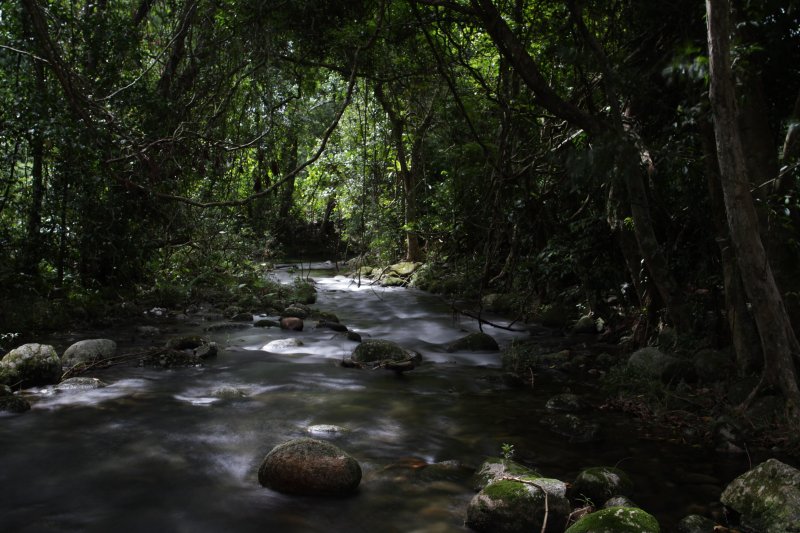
<point x="474" y="342"/>
<point x="496" y="468"/>
<point x="30" y="365"/>
<point x="616" y="520"/>
<point x="519" y="505"/>
<point x="767" y="497"/>
<point x="374" y="350"/>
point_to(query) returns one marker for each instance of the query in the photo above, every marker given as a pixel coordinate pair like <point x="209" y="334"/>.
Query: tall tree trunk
<point x="778" y="341"/>
<point x="32" y="252"/>
<point x="744" y="336"/>
<point x="410" y="169"/>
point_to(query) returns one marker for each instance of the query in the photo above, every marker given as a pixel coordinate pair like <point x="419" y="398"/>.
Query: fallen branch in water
<point x="484" y="321"/>
<point x="107" y="362"/>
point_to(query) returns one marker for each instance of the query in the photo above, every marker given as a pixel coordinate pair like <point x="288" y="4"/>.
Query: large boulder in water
<point x="88" y="351"/>
<point x="310" y="467"/>
<point x="519" y="505"/>
<point x="30" y="365"/>
<point x="474" y="342"/>
<point x="766" y="497"/>
<point x="616" y="520"/>
<point x="377" y="350"/>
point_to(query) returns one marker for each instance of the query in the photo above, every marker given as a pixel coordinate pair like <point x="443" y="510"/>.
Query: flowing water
<point x="157" y="451"/>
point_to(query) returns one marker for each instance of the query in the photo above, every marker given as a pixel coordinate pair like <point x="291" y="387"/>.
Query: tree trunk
<point x="778" y="341"/>
<point x="410" y="174"/>
<point x="744" y="336"/>
<point x="33" y="241"/>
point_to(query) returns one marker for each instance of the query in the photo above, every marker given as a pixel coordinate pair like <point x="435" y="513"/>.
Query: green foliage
<point x="507" y="451"/>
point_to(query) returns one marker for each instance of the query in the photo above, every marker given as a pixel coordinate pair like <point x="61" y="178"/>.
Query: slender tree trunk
<point x="33" y="243"/>
<point x="744" y="336"/>
<point x="410" y="170"/>
<point x="778" y="341"/>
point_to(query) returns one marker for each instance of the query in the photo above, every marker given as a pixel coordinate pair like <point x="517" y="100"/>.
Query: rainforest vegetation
<point x="638" y="161"/>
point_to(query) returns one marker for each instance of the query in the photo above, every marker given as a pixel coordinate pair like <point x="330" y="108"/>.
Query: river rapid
<point x="157" y="451"/>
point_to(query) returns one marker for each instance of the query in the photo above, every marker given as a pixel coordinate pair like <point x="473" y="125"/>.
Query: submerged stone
<point x="280" y="345"/>
<point x="80" y="384"/>
<point x="375" y="350"/>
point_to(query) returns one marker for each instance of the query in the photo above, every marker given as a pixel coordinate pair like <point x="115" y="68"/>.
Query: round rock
<point x="310" y="467"/>
<point x="88" y="351"/>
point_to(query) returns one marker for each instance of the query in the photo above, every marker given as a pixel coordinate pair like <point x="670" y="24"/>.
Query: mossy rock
<point x="404" y="268"/>
<point x="599" y="483"/>
<point x="585" y="325"/>
<point x="310" y="467"/>
<point x="295" y="311"/>
<point x="474" y="342"/>
<point x="696" y="524"/>
<point x="304" y="292"/>
<point x="30" y="365"/>
<point x="766" y="497"/>
<point x="496" y="468"/>
<point x="653" y="363"/>
<point x="229" y="393"/>
<point x="364" y="271"/>
<point x="519" y="506"/>
<point x="325" y="316"/>
<point x="393" y="281"/>
<point x="374" y="350"/>
<point x="616" y="520"/>
<point x="88" y="351"/>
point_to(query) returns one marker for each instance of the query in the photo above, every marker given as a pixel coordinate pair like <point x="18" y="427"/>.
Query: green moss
<point x="616" y="520"/>
<point x="506" y="490"/>
<point x="380" y="350"/>
<point x="477" y="341"/>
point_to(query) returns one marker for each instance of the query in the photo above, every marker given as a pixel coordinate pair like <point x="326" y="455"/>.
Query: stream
<point x="156" y="451"/>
